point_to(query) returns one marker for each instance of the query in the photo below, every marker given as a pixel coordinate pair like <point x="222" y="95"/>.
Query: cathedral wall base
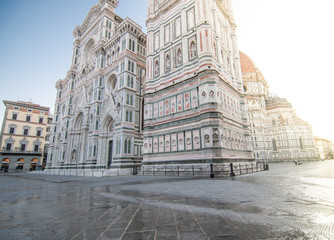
<point x="87" y="172"/>
<point x="214" y="169"/>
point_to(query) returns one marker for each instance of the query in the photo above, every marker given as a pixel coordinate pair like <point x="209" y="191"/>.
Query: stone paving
<point x="257" y="206"/>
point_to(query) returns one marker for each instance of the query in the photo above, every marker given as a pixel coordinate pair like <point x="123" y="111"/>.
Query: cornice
<point x="99" y="48"/>
<point x="112" y="42"/>
<point x="26" y="105"/>
<point x="166" y="6"/>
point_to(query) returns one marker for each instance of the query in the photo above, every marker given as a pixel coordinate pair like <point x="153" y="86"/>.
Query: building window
<point x="129" y="99"/>
<point x="123" y="44"/>
<point x="14" y="117"/>
<point x="122" y="66"/>
<point x="36" y="148"/>
<point x="132" y="45"/>
<point x="94" y="151"/>
<point x="41" y="120"/>
<point x="39" y="133"/>
<point x="128" y="116"/>
<point x="274" y="144"/>
<point x="127" y="146"/>
<point x="130" y="82"/>
<point x="23" y="147"/>
<point x="25" y="132"/>
<point x="9" y="146"/>
<point x="28" y="118"/>
<point x="121" y="82"/>
<point x="11" y="130"/>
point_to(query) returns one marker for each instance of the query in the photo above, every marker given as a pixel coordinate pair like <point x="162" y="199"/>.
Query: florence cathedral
<point x="98" y="109"/>
<point x="175" y="96"/>
<point x="278" y="134"/>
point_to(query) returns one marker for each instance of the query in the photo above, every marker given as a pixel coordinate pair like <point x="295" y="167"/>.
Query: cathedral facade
<point x="195" y="108"/>
<point x="278" y="134"/>
<point x="98" y="110"/>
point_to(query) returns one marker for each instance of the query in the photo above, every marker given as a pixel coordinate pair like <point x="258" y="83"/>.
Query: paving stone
<point x="112" y="234"/>
<point x="139" y="235"/>
<point x="259" y="206"/>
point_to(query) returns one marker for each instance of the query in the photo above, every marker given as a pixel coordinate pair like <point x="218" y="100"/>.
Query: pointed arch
<point x="88" y="51"/>
<point x="79" y="121"/>
<point x="107" y="124"/>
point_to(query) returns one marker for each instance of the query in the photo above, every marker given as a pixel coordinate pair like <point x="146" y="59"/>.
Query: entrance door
<point x="110" y="154"/>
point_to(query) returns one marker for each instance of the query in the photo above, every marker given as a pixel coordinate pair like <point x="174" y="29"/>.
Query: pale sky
<point x="290" y="41"/>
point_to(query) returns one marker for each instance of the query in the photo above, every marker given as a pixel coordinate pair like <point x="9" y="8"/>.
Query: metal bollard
<point x="212" y="175"/>
<point x="232" y="174"/>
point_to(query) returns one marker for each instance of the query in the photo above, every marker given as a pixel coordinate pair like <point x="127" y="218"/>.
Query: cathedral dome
<point x="247" y="64"/>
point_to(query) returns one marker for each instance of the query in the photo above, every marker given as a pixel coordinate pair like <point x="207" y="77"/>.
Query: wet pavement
<point x="287" y="202"/>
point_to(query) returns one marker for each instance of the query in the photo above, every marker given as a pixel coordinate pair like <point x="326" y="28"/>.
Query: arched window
<point x="131" y="82"/>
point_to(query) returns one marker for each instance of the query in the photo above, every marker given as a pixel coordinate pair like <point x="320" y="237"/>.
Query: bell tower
<point x="195" y="108"/>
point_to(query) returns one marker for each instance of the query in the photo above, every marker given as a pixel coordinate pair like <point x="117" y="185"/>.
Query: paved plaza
<point x="287" y="202"/>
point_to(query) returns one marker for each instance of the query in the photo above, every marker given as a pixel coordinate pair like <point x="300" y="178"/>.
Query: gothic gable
<point x="91" y="17"/>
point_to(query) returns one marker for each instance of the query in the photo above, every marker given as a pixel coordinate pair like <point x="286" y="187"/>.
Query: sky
<point x="291" y="42"/>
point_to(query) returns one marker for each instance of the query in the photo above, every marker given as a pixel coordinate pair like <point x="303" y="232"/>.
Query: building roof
<point x="247" y="64"/>
<point x="26" y="104"/>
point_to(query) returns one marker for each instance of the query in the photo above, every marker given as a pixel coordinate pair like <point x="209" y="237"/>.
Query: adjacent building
<point x="98" y="120"/>
<point x="23" y="136"/>
<point x="324" y="148"/>
<point x="278" y="134"/>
